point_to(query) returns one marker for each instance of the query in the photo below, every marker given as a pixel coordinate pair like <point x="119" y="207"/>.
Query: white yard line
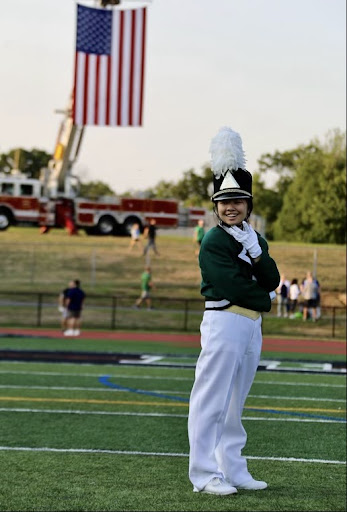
<point x="156" y="454"/>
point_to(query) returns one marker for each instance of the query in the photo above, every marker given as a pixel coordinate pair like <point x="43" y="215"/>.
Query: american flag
<point x="109" y="66"/>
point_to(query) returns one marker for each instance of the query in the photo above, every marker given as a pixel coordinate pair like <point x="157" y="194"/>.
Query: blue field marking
<point x="104" y="380"/>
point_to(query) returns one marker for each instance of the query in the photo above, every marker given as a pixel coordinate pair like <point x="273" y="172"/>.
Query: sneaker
<point x="217" y="486"/>
<point x="76" y="332"/>
<point x="253" y="485"/>
<point x="69" y="332"/>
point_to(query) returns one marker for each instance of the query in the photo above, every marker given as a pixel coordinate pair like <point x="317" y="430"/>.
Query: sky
<point x="272" y="70"/>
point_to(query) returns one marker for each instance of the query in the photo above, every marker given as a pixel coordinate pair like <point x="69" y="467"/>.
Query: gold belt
<point x="249" y="313"/>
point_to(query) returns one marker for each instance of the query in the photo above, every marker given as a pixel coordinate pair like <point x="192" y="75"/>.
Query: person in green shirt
<point x="146" y="286"/>
<point x="238" y="282"/>
<point x="199" y="233"/>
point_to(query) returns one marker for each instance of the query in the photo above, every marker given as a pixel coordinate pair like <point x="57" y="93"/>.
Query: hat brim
<point x="222" y="195"/>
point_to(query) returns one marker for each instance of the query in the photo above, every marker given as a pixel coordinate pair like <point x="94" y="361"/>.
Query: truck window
<point x="8" y="189"/>
<point x="26" y="189"/>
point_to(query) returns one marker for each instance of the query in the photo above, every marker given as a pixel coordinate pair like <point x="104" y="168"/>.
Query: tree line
<point x="305" y="201"/>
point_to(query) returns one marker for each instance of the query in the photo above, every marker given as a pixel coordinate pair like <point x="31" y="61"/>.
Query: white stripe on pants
<point x="228" y="361"/>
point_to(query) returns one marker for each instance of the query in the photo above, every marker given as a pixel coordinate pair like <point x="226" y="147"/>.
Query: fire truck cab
<point x="19" y="200"/>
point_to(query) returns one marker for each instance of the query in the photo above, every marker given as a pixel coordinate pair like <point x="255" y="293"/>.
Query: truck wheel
<point x="90" y="231"/>
<point x="5" y="219"/>
<point x="127" y="224"/>
<point x="106" y="226"/>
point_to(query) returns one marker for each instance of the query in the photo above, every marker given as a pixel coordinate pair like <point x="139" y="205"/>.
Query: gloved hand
<point x="248" y="238"/>
<point x="61" y="309"/>
<point x="272" y="295"/>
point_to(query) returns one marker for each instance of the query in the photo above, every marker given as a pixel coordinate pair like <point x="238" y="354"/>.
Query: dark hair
<point x="250" y="208"/>
<point x="77" y="282"/>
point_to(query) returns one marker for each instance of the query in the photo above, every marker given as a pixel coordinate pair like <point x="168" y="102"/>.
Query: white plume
<point x="226" y="152"/>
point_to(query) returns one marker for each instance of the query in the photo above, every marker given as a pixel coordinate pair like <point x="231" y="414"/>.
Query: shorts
<point x="145" y="294"/>
<point x="310" y="303"/>
<point x="73" y="314"/>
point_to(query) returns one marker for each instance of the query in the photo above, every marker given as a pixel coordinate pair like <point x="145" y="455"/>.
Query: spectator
<point x="150" y="233"/>
<point x="310" y="292"/>
<point x="294" y="292"/>
<point x="62" y="305"/>
<point x="135" y="234"/>
<point x="282" y="297"/>
<point x="74" y="303"/>
<point x="199" y="233"/>
<point x="146" y="286"/>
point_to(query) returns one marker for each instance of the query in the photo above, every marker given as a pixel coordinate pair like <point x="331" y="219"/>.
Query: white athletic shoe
<point x="69" y="332"/>
<point x="253" y="485"/>
<point x="217" y="486"/>
<point x="76" y="332"/>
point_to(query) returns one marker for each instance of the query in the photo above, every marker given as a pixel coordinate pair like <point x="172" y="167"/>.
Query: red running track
<point x="304" y="346"/>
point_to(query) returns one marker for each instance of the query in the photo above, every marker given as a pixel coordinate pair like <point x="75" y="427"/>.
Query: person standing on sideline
<point x="199" y="232"/>
<point x="310" y="291"/>
<point x="238" y="282"/>
<point x="294" y="292"/>
<point x="62" y="305"/>
<point x="146" y="287"/>
<point x="282" y="297"/>
<point x="150" y="233"/>
<point x="135" y="234"/>
<point x="74" y="303"/>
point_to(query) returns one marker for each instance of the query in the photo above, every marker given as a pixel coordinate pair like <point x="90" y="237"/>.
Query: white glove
<point x="61" y="309"/>
<point x="248" y="238"/>
<point x="273" y="295"/>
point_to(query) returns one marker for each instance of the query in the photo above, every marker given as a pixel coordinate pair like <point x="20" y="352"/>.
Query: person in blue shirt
<point x="74" y="303"/>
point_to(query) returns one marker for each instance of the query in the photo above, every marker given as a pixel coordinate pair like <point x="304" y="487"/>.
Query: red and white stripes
<point x="108" y="89"/>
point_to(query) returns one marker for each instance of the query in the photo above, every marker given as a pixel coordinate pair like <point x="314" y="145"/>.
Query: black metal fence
<point x="40" y="309"/>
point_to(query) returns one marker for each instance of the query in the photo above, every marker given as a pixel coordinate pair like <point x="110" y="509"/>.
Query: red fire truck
<point x="23" y="202"/>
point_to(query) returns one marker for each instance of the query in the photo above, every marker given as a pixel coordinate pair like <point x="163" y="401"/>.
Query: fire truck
<point x="23" y="202"/>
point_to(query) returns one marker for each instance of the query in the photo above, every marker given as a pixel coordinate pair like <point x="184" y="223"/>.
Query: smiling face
<point x="232" y="211"/>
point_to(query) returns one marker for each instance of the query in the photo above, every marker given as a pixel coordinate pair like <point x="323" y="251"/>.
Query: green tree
<point x="192" y="189"/>
<point x="29" y="163"/>
<point x="95" y="189"/>
<point x="267" y="203"/>
<point x="314" y="207"/>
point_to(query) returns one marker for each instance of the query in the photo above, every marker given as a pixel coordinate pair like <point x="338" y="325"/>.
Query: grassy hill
<point x="30" y="261"/>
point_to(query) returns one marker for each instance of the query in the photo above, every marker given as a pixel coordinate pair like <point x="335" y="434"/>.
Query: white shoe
<point x="69" y="332"/>
<point x="76" y="332"/>
<point x="253" y="485"/>
<point x="217" y="486"/>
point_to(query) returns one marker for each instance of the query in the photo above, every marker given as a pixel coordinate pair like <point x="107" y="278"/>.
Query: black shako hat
<point x="230" y="178"/>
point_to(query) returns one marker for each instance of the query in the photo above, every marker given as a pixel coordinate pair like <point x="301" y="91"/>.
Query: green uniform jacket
<point x="226" y="276"/>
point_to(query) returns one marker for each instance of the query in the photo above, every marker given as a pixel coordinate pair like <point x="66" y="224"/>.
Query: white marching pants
<point x="225" y="370"/>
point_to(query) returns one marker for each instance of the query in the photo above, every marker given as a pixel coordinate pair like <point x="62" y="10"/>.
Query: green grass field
<point x="77" y="437"/>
